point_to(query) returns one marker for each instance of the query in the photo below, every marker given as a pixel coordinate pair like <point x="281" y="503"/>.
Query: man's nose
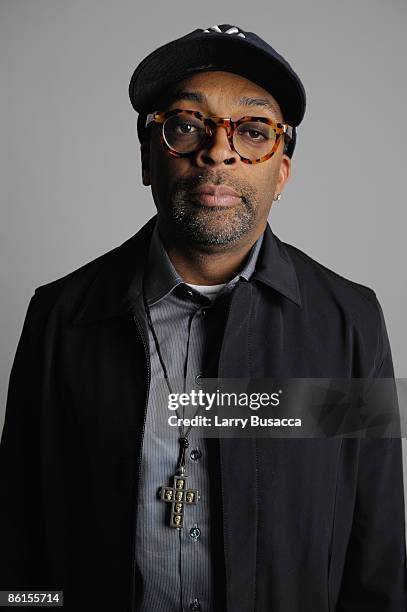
<point x="216" y="148"/>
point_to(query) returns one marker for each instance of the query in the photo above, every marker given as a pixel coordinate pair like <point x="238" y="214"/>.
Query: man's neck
<point x="203" y="267"/>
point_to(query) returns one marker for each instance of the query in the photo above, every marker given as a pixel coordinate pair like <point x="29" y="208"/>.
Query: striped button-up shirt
<point x="176" y="565"/>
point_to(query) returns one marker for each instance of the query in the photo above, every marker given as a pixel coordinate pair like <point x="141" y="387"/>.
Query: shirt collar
<point x="162" y="277"/>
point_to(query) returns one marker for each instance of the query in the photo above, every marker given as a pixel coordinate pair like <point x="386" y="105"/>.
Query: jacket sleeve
<point x="375" y="573"/>
<point x="21" y="533"/>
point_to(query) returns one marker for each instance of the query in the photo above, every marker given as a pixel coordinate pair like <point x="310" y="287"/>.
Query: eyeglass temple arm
<point x="149" y="119"/>
<point x="288" y="130"/>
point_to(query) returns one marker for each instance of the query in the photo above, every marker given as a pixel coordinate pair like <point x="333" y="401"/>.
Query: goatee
<point x="211" y="225"/>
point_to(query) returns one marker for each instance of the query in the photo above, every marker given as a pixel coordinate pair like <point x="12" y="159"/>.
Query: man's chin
<point x="211" y="233"/>
<point x="205" y="226"/>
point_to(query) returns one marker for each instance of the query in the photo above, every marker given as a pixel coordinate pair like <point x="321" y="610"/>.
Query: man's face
<point x="173" y="180"/>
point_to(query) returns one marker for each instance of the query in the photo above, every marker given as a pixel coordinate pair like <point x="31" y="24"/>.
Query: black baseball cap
<point x="219" y="47"/>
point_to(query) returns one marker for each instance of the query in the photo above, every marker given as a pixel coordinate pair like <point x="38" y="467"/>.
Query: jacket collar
<point x="118" y="282"/>
<point x="276" y="269"/>
<point x="117" y="286"/>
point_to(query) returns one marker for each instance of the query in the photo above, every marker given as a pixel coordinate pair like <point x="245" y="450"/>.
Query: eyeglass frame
<point x="280" y="129"/>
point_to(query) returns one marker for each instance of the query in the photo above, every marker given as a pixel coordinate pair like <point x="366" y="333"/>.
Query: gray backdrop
<point x="70" y="169"/>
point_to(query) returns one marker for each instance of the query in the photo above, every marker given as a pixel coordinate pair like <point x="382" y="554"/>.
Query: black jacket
<point x="307" y="525"/>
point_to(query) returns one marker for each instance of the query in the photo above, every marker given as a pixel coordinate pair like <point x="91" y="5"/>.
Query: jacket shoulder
<point x="77" y="281"/>
<point x="331" y="296"/>
<point x="325" y="291"/>
<point x="101" y="283"/>
<point x="307" y="266"/>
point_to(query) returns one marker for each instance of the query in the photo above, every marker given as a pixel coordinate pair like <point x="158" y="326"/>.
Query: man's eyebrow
<point x="197" y="96"/>
<point x="263" y="102"/>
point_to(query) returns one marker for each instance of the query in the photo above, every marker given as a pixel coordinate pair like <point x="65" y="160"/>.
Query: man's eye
<point x="252" y="134"/>
<point x="255" y="134"/>
<point x="185" y="128"/>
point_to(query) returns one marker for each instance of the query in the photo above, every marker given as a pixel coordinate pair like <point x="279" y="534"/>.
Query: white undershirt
<point x="211" y="291"/>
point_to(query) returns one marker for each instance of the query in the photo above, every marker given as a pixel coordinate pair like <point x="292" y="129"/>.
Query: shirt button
<point x="198" y="379"/>
<point x="195" y="454"/>
<point x="195" y="533"/>
<point x="195" y="606"/>
<point x="189" y="292"/>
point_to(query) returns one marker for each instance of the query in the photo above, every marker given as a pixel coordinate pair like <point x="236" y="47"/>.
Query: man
<point x="95" y="501"/>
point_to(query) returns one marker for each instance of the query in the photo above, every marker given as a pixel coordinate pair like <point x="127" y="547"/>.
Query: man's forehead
<point x="213" y="80"/>
<point x="203" y="87"/>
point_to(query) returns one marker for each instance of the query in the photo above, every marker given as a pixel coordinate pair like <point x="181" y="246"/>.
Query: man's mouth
<point x="215" y="195"/>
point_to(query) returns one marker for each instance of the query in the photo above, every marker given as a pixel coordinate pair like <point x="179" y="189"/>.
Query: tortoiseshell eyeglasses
<point x="255" y="139"/>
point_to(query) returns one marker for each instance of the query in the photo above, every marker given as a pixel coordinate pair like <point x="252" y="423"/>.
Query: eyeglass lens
<point x="185" y="133"/>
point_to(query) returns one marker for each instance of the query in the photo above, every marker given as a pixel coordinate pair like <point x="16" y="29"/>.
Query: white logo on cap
<point x="232" y="30"/>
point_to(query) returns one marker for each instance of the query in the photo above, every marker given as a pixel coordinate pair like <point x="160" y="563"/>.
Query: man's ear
<point x="145" y="161"/>
<point x="284" y="172"/>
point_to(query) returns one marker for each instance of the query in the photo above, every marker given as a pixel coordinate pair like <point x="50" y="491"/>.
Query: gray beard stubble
<point x="204" y="225"/>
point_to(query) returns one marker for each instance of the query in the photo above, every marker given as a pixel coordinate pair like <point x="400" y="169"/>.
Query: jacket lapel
<point x="238" y="467"/>
<point x="117" y="288"/>
<point x="238" y="456"/>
